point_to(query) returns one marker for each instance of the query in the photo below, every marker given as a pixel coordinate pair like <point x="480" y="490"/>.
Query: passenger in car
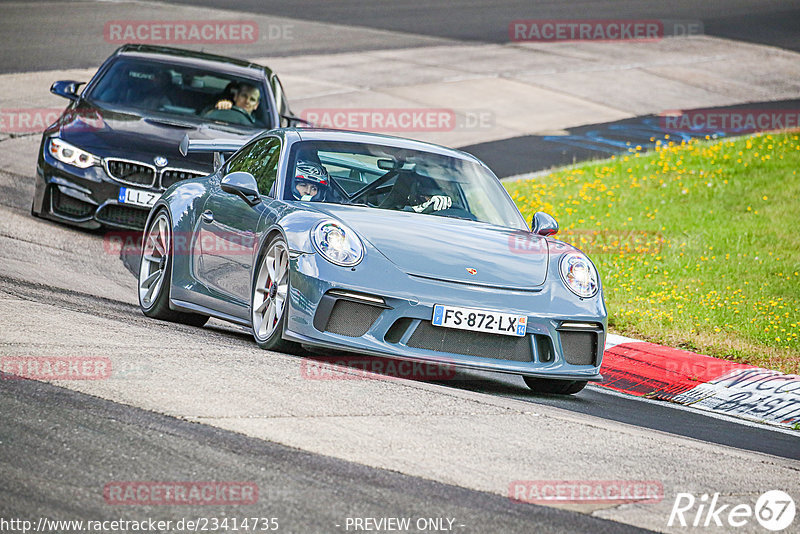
<point x="310" y="182"/>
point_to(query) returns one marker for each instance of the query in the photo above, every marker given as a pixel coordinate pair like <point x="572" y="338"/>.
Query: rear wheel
<point x="269" y="302"/>
<point x="557" y="387"/>
<point x="155" y="274"/>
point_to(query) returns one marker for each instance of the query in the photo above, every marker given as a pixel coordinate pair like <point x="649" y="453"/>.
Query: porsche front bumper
<point x="339" y="309"/>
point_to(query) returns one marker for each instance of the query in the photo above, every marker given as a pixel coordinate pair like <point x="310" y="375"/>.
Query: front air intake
<point x="352" y="319"/>
<point x="495" y="346"/>
<point x="581" y="343"/>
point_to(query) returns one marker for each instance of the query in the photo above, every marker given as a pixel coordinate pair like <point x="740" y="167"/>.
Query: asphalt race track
<point x="87" y="437"/>
<point x="189" y="404"/>
<point x="772" y="23"/>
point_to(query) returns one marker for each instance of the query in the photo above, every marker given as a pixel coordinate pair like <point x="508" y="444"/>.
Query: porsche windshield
<point x="178" y="90"/>
<point x="398" y="179"/>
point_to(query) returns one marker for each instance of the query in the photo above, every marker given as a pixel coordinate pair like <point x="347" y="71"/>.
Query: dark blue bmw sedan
<point x="113" y="151"/>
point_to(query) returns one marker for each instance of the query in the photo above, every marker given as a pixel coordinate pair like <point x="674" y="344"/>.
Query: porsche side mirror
<point x="66" y="88"/>
<point x="544" y="224"/>
<point x="242" y="184"/>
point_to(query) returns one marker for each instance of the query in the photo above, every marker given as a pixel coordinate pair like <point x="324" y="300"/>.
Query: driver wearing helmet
<point x="426" y="196"/>
<point x="310" y="182"/>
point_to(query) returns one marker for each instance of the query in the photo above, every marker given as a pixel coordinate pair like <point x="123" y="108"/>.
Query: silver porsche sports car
<point x="377" y="245"/>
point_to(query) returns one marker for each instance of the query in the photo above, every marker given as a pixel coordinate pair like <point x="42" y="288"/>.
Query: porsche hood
<point x="444" y="248"/>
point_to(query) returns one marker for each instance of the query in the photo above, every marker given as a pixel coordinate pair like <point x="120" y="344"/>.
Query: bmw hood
<point x="128" y="135"/>
<point x="445" y="248"/>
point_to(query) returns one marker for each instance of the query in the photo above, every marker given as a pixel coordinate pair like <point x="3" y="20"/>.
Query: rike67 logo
<point x="774" y="510"/>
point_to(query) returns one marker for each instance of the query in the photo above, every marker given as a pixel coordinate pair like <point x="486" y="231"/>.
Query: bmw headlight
<point x="71" y="155"/>
<point x="579" y="274"/>
<point x="337" y="243"/>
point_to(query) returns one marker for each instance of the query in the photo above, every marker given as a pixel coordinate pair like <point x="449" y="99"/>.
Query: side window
<point x="237" y="163"/>
<point x="261" y="160"/>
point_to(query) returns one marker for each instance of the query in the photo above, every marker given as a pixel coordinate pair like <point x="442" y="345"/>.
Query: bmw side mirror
<point x="66" y="88"/>
<point x="544" y="224"/>
<point x="242" y="184"/>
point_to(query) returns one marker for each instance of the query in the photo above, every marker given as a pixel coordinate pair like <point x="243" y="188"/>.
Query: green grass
<point x="698" y="244"/>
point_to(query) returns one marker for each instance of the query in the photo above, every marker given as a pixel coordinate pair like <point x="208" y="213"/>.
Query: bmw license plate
<point x="490" y="322"/>
<point x="137" y="197"/>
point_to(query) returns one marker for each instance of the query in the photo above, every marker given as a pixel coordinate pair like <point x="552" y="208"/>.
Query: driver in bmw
<point x="246" y="99"/>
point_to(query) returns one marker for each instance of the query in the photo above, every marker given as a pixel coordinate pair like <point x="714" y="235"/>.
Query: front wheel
<point x="269" y="302"/>
<point x="155" y="273"/>
<point x="557" y="387"/>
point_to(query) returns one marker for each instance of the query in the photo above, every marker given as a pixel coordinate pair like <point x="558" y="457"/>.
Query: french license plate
<point x="137" y="197"/>
<point x="491" y="322"/>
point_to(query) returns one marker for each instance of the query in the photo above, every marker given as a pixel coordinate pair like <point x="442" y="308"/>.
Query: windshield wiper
<point x="174" y="124"/>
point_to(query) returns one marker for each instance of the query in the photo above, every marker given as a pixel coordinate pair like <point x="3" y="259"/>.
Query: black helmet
<point x="422" y="188"/>
<point x="310" y="173"/>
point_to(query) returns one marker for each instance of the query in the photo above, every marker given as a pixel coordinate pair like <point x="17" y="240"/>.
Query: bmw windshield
<point x="181" y="91"/>
<point x="401" y="179"/>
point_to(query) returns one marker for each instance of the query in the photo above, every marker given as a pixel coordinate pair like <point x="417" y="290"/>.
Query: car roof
<point x="327" y="134"/>
<point x="212" y="62"/>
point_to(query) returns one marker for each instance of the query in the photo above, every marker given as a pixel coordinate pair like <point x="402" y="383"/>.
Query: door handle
<point x="207" y="216"/>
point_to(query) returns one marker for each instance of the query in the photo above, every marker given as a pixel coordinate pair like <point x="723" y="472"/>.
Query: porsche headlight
<point x="337" y="243"/>
<point x="579" y="274"/>
<point x="71" y="155"/>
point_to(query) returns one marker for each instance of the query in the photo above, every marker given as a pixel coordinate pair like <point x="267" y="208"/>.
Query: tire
<point x="155" y="274"/>
<point x="556" y="387"/>
<point x="269" y="298"/>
